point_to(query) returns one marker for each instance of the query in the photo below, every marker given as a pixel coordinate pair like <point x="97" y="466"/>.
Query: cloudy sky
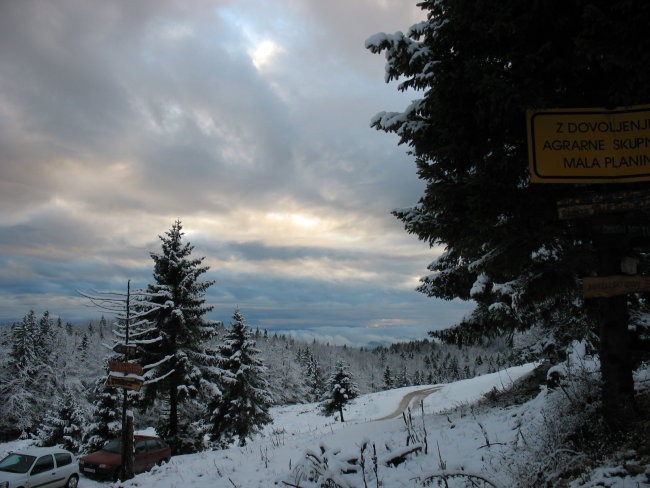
<point x="248" y="120"/>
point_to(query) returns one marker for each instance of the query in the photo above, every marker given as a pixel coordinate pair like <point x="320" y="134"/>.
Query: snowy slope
<point x="462" y="439"/>
<point x="270" y="457"/>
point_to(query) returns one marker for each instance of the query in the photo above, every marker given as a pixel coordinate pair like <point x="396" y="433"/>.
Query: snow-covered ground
<point x="460" y="439"/>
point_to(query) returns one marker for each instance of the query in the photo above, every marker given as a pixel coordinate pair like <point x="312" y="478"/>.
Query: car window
<point x="140" y="447"/>
<point x="113" y="446"/>
<point x="62" y="459"/>
<point x="153" y="445"/>
<point x="16" y="463"/>
<point x="44" y="463"/>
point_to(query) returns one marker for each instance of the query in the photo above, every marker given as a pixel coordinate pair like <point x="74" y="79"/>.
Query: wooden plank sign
<point x="128" y="349"/>
<point x="126" y="382"/>
<point x="598" y="204"/>
<point x="124" y="367"/>
<point x="609" y="286"/>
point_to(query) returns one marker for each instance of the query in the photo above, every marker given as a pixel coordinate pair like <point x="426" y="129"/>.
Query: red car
<point x="107" y="462"/>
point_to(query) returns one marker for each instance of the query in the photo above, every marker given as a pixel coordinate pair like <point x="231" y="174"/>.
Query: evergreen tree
<point x="105" y="417"/>
<point x="62" y="424"/>
<point x="243" y="406"/>
<point x="388" y="378"/>
<point x="73" y="428"/>
<point x="82" y="348"/>
<point x="342" y="390"/>
<point x="44" y="341"/>
<point x="27" y="378"/>
<point x="479" y="67"/>
<point x="402" y="378"/>
<point x="183" y="331"/>
<point x="24" y="342"/>
<point x="102" y="327"/>
<point x="315" y="379"/>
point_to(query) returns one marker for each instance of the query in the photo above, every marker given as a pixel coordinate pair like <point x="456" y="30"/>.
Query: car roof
<point x="39" y="451"/>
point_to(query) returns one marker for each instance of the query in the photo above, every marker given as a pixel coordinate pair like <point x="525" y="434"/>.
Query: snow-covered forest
<point x="50" y="366"/>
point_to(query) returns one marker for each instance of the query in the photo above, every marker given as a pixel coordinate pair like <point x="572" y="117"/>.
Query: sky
<point x="248" y="120"/>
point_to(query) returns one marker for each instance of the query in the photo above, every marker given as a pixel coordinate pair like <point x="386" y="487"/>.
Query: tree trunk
<point x="619" y="406"/>
<point x="173" y="409"/>
<point x="174" y="381"/>
<point x="341" y="413"/>
<point x="611" y="315"/>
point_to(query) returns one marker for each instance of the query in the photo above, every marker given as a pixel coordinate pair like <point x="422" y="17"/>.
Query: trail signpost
<point x="598" y="145"/>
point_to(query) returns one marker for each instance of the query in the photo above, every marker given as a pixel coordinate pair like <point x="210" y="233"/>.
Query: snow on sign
<point x="124" y="367"/>
<point x="589" y="145"/>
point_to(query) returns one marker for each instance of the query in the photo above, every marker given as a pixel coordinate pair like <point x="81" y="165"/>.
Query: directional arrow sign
<point x="124" y="367"/>
<point x="129" y="349"/>
<point x="126" y="382"/>
<point x="609" y="286"/>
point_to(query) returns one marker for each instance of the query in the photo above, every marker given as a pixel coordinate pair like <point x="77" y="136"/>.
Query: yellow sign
<point x="589" y="145"/>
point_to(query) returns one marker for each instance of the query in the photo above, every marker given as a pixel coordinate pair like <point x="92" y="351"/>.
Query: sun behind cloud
<point x="263" y="53"/>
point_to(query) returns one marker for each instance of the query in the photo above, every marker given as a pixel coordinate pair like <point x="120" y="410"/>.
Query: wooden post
<point x="611" y="315"/>
<point x="129" y="458"/>
<point x="127" y="433"/>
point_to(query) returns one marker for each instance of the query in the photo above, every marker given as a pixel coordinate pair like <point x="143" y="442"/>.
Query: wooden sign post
<point x="599" y="145"/>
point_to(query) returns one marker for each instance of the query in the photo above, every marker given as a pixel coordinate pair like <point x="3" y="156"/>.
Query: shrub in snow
<point x="564" y="431"/>
<point x="331" y="468"/>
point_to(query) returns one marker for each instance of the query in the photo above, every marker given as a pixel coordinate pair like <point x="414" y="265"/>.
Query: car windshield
<point x="113" y="446"/>
<point x="17" y="463"/>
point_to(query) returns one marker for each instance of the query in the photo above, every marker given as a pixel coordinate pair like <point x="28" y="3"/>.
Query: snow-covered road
<point x="414" y="398"/>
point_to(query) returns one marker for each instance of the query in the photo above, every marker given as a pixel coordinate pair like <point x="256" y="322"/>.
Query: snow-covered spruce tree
<point x="105" y="416"/>
<point x="388" y="378"/>
<point x="243" y="407"/>
<point x="62" y="424"/>
<point x="342" y="389"/>
<point x="315" y="379"/>
<point x="27" y="376"/>
<point x="479" y="67"/>
<point x="185" y="367"/>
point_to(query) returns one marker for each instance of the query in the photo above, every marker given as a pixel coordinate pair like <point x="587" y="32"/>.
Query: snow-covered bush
<point x="561" y="433"/>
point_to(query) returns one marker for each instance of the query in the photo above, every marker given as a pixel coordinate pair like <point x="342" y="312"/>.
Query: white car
<point x="43" y="467"/>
